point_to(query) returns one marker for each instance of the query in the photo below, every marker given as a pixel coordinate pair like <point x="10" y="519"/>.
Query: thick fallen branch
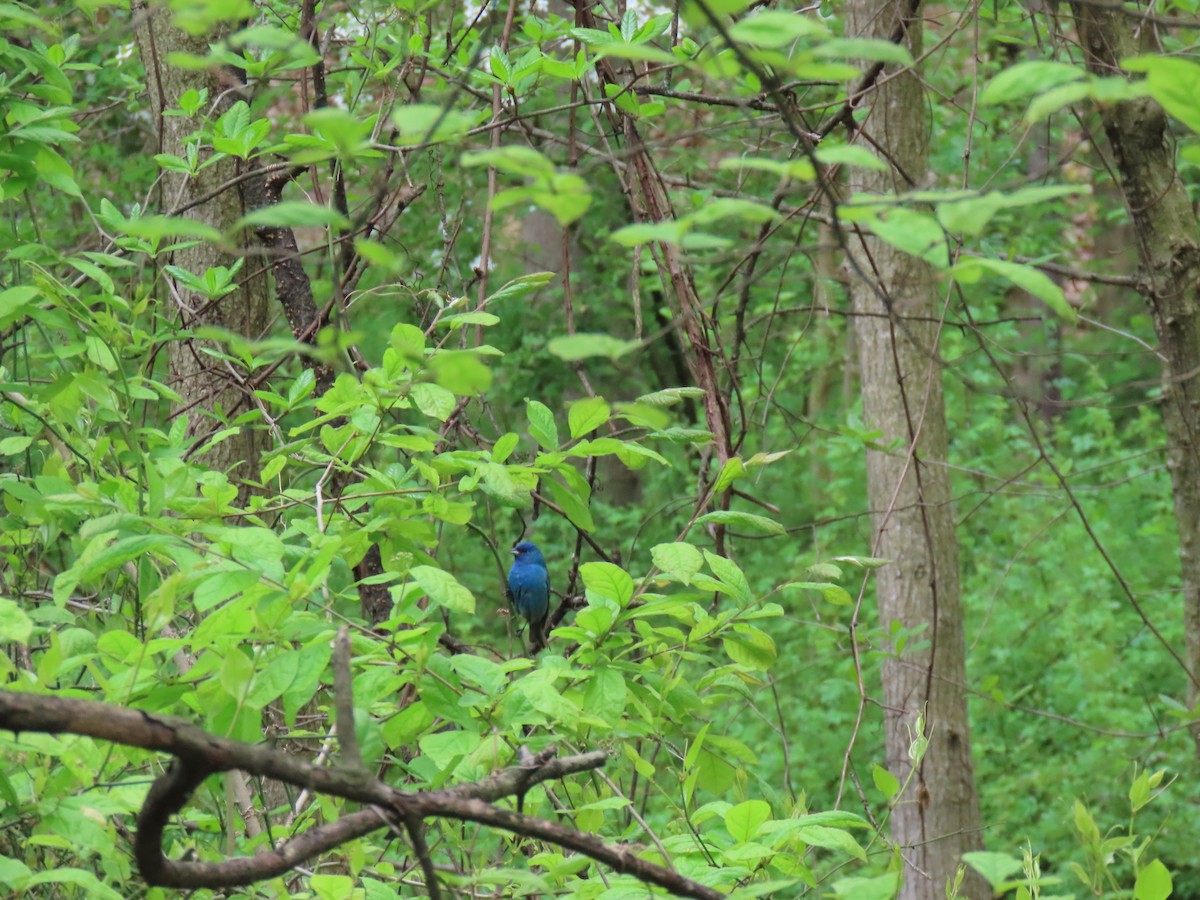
<point x="199" y="754"/>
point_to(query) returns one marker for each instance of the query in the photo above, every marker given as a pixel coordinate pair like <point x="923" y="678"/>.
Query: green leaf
<point x="571" y="503"/>
<point x="443" y="588"/>
<point x="887" y="783"/>
<point x="433" y="400"/>
<point x="882" y="887"/>
<point x="750" y="647"/>
<point x="461" y="372"/>
<point x="834" y="593"/>
<point x="1025" y="277"/>
<point x="678" y="559"/>
<point x="851" y="154"/>
<point x="541" y="425"/>
<point x="994" y="867"/>
<point x="865" y="49"/>
<point x="605" y="695"/>
<point x="294" y="214"/>
<point x="15" y="626"/>
<point x="744" y="820"/>
<point x="743" y="521"/>
<point x="1028" y="78"/>
<point x="1153" y="882"/>
<point x="606" y="580"/>
<point x="831" y="839"/>
<point x="582" y="346"/>
<point x="1174" y="83"/>
<point x="587" y="415"/>
<point x="733" y="469"/>
<point x="773" y="29"/>
<point x="730" y="575"/>
<point x="916" y="233"/>
<point x="521" y="287"/>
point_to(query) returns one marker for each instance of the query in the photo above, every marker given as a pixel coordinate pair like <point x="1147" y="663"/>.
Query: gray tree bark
<point x="1168" y="245"/>
<point x="937" y="820"/>
<point x="208" y="388"/>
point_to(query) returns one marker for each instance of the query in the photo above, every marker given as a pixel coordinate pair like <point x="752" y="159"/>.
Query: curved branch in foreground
<point x="199" y="754"/>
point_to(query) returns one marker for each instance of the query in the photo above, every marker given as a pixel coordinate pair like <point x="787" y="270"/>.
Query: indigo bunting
<point x="529" y="586"/>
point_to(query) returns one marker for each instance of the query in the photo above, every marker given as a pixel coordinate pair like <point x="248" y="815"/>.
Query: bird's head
<point x="528" y="552"/>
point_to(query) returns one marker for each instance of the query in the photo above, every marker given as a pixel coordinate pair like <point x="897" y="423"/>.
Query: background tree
<point x="581" y="279"/>
<point x="898" y="326"/>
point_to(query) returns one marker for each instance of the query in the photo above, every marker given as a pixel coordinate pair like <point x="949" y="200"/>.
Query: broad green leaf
<point x="571" y="503"/>
<point x="743" y="521"/>
<point x="750" y="647"/>
<point x="731" y="575"/>
<point x="1174" y="83"/>
<point x="461" y="372"/>
<point x="15" y="626"/>
<point x="587" y="415"/>
<point x="1027" y="78"/>
<point x="443" y="588"/>
<point x="881" y="887"/>
<point x="994" y="867"/>
<point x="744" y="820"/>
<point x="865" y="49"/>
<point x="1153" y="882"/>
<point x="834" y="593"/>
<point x="515" y="159"/>
<point x="831" y="839"/>
<point x="678" y="559"/>
<point x="433" y="400"/>
<point x="294" y="214"/>
<point x="582" y="346"/>
<point x="769" y="28"/>
<point x="605" y="695"/>
<point x="1024" y="276"/>
<point x="607" y="580"/>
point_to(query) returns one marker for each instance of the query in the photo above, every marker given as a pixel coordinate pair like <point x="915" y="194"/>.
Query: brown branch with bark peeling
<point x="199" y="754"/>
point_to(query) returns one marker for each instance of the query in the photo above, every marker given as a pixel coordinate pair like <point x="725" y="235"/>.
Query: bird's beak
<point x="513" y="551"/>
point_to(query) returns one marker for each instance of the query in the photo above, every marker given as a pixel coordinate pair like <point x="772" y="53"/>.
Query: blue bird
<point x="529" y="586"/>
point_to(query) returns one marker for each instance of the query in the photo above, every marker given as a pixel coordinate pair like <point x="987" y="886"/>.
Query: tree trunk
<point x="207" y="386"/>
<point x="1168" y="247"/>
<point x="938" y="818"/>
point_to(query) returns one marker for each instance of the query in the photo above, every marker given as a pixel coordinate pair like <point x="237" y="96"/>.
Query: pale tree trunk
<point x="1168" y="245"/>
<point x="937" y="820"/>
<point x="204" y="384"/>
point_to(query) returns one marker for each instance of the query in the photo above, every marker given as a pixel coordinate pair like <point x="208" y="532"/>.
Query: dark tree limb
<point x="199" y="754"/>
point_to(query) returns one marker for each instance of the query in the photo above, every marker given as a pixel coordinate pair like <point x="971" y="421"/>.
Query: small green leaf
<point x="541" y="425"/>
<point x="888" y="784"/>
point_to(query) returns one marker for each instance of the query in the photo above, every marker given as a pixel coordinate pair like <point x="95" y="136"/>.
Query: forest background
<point x="839" y="358"/>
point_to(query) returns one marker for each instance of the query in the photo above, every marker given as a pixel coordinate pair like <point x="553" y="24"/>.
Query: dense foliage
<point x="505" y="354"/>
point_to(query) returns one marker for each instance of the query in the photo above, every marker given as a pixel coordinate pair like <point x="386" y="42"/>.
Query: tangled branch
<point x="198" y="754"/>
